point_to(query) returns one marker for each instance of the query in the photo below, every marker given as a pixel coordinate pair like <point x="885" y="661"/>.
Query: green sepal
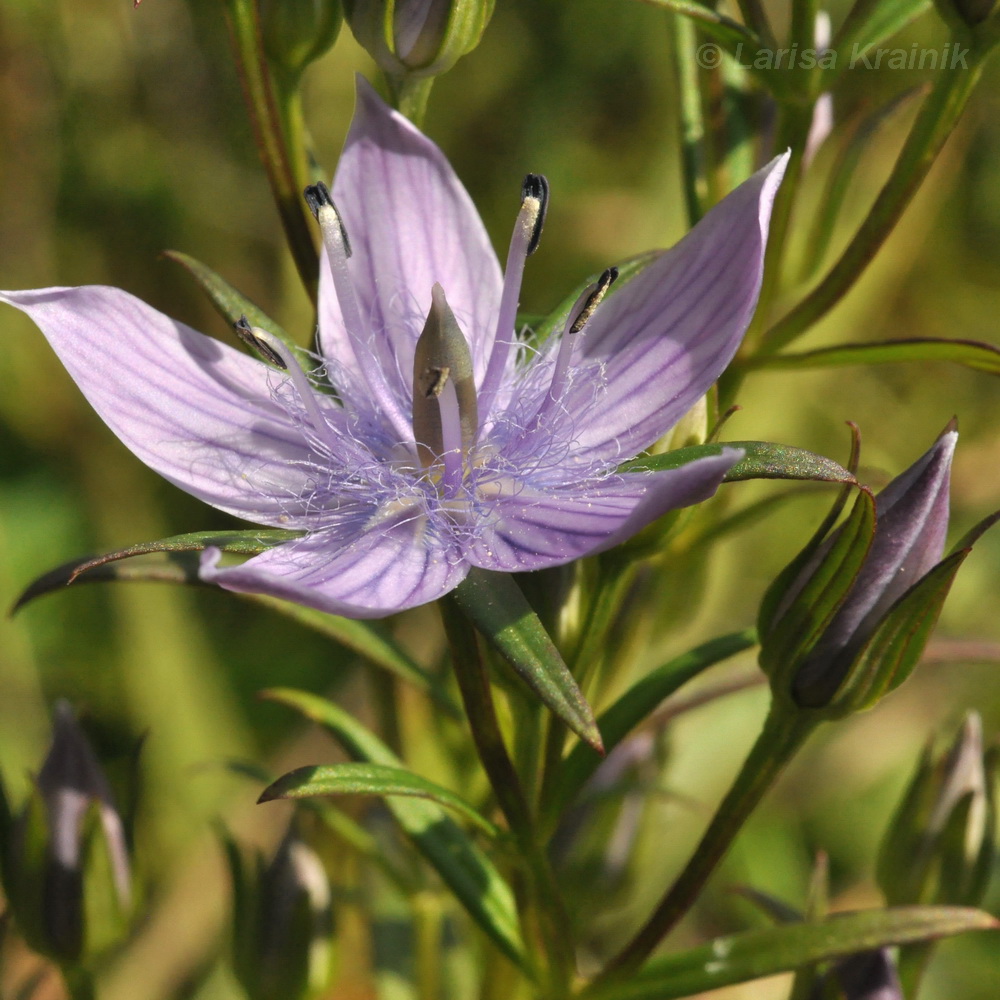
<point x="463" y="867"/>
<point x="177" y="568"/>
<point x="297" y="34"/>
<point x="635" y="705"/>
<point x="494" y="603"/>
<point x="761" y="460"/>
<point x="232" y="305"/>
<point x="382" y="780"/>
<point x="755" y="954"/>
<point x="892" y="652"/>
<point x="813" y="607"/>
<point x="973" y="354"/>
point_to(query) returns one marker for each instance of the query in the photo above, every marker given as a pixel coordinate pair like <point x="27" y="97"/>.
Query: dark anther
<point x="536" y="186"/>
<point x="245" y="332"/>
<point x="317" y="195"/>
<point x="601" y="286"/>
<point x="433" y="381"/>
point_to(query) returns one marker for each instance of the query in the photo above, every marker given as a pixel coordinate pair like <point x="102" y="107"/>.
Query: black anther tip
<point x="317" y="195"/>
<point x="536" y="186"/>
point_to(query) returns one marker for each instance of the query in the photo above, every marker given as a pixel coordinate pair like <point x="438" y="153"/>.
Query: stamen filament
<point x="523" y="243"/>
<point x="272" y="348"/>
<point x="338" y="250"/>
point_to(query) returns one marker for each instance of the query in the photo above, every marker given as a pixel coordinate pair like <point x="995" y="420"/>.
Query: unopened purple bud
<point x="856" y="613"/>
<point x="418" y="37"/>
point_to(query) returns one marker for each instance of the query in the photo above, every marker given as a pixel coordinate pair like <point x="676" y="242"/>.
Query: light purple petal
<point x="367" y="573"/>
<point x="411" y="223"/>
<point x="533" y="528"/>
<point x="194" y="410"/>
<point x="670" y="332"/>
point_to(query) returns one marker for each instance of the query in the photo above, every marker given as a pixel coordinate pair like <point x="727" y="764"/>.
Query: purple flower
<point x="449" y="444"/>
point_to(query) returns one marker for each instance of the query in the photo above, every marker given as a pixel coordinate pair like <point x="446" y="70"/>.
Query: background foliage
<point x="122" y="134"/>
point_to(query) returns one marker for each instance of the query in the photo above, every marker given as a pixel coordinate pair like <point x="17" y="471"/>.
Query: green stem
<point x="477" y="697"/>
<point x="935" y="122"/>
<point x="273" y="143"/>
<point x="410" y="95"/>
<point x="781" y="737"/>
<point x="692" y="122"/>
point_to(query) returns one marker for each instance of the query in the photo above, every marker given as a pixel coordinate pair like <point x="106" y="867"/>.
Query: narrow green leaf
<point x="885" y="18"/>
<point x="231" y="304"/>
<point x="754" y="954"/>
<point x="494" y="603"/>
<point x="371" y="779"/>
<point x="463" y="867"/>
<point x="368" y="639"/>
<point x="635" y="705"/>
<point x="101" y="568"/>
<point x="761" y="460"/>
<point x="973" y="354"/>
<point x="724" y="30"/>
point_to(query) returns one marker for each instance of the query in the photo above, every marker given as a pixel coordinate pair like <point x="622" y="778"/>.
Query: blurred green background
<point x="122" y="134"/>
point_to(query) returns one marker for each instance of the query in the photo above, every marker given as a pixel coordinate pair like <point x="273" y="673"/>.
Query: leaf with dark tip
<point x="975" y="354"/>
<point x="182" y="563"/>
<point x="359" y="778"/>
<point x="755" y="954"/>
<point x="463" y="867"/>
<point x="102" y="567"/>
<point x="494" y="603"/>
<point x="761" y="460"/>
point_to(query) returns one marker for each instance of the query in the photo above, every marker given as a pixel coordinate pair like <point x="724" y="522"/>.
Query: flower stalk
<point x="780" y="739"/>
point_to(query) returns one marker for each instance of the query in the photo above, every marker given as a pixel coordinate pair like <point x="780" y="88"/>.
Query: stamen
<point x="445" y="416"/>
<point x="578" y="317"/>
<point x="338" y="249"/>
<point x="523" y="243"/>
<point x="278" y="353"/>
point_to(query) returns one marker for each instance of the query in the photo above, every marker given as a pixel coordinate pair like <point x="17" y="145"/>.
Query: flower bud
<point x="847" y="621"/>
<point x="418" y="38"/>
<point x="65" y="857"/>
<point x="297" y="32"/>
<point x="940" y="846"/>
<point x="282" y="923"/>
<point x="970" y="13"/>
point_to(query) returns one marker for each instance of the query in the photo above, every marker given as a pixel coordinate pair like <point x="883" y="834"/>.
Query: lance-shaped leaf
<point x="974" y="354"/>
<point x="383" y="780"/>
<point x="636" y="704"/>
<point x="232" y="305"/>
<point x="871" y="22"/>
<point x="183" y="565"/>
<point x="463" y="867"/>
<point x="754" y="954"/>
<point x="493" y="602"/>
<point x="761" y="460"/>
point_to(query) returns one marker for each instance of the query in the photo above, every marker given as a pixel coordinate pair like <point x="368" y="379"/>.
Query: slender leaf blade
<point x="494" y="603"/>
<point x="755" y="954"/>
<point x="975" y="354"/>
<point x="359" y="778"/>
<point x="466" y="870"/>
